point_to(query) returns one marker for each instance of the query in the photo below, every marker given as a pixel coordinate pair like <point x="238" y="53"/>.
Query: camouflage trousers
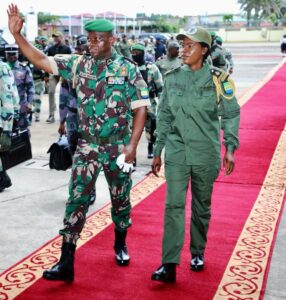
<point x="39" y="91"/>
<point x="88" y="161"/>
<point x="150" y="123"/>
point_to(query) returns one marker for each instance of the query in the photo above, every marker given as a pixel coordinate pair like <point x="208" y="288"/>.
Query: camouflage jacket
<point x="9" y="98"/>
<point x="24" y="82"/>
<point x="68" y="106"/>
<point x="153" y="78"/>
<point x="107" y="91"/>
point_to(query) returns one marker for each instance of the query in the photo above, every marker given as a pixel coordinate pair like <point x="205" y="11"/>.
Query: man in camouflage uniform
<point x="217" y="56"/>
<point x="24" y="82"/>
<point x="197" y="101"/>
<point x="68" y="108"/>
<point x="227" y="55"/>
<point x="153" y="78"/>
<point x="111" y="95"/>
<point x="39" y="82"/>
<point x="171" y="60"/>
<point x="9" y="110"/>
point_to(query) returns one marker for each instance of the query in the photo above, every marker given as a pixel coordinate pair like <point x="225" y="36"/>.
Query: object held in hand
<point x="124" y="166"/>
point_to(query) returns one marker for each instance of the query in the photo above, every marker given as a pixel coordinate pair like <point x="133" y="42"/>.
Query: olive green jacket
<point x="189" y="118"/>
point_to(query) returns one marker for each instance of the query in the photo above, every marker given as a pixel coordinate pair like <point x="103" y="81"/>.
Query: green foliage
<point x="227" y="19"/>
<point x="45" y="18"/>
<point x="263" y="9"/>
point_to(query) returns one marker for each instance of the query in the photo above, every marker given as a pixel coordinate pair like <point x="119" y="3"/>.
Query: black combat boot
<point x="150" y="150"/>
<point x="121" y="254"/>
<point x="5" y="181"/>
<point x="64" y="269"/>
<point x="165" y="273"/>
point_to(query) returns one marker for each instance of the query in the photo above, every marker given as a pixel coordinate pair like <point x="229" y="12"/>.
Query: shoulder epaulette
<point x="225" y="86"/>
<point x="221" y="74"/>
<point x="172" y="71"/>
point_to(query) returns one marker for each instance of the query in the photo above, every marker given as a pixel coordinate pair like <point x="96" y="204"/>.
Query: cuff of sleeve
<point x="53" y="65"/>
<point x="230" y="148"/>
<point x="157" y="151"/>
<point x="139" y="103"/>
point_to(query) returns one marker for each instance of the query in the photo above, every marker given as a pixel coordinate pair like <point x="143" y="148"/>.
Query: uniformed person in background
<point x="9" y="114"/>
<point x="217" y="55"/>
<point x="111" y="94"/>
<point x="39" y="82"/>
<point x="171" y="60"/>
<point x="58" y="47"/>
<point x="124" y="47"/>
<point x="153" y="78"/>
<point x="194" y="98"/>
<point x="24" y="82"/>
<point x="227" y="55"/>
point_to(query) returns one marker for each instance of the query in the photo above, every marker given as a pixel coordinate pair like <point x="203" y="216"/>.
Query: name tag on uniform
<point x="115" y="80"/>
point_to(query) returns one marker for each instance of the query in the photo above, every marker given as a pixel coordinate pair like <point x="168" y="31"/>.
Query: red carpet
<point x="97" y="276"/>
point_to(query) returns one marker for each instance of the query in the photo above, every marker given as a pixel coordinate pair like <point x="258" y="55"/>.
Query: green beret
<point x="43" y="38"/>
<point x="138" y="46"/>
<point x="212" y="33"/>
<point x="99" y="25"/>
<point x="219" y="39"/>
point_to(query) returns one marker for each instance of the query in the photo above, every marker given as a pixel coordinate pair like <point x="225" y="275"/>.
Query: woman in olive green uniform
<point x="197" y="101"/>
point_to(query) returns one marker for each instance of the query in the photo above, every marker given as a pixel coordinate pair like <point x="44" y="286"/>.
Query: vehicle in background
<point x="163" y="36"/>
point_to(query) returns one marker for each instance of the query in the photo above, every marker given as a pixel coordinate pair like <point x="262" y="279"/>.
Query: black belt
<point x="101" y="141"/>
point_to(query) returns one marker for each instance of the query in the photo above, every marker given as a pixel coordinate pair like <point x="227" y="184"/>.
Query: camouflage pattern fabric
<point x="107" y="91"/>
<point x="26" y="90"/>
<point x="89" y="159"/>
<point x="9" y="100"/>
<point x="154" y="82"/>
<point x="39" y="91"/>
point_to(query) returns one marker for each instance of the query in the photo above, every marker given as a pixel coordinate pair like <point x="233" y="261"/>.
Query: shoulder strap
<point x="225" y="86"/>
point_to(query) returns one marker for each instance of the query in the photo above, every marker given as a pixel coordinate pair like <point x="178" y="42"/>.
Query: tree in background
<point x="227" y="19"/>
<point x="262" y="9"/>
<point x="46" y="18"/>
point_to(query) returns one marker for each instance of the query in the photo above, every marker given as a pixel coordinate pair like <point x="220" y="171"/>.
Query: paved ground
<point x="31" y="210"/>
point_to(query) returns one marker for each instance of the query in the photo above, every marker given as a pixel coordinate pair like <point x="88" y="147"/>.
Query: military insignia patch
<point x="123" y="71"/>
<point x="144" y="93"/>
<point x="228" y="89"/>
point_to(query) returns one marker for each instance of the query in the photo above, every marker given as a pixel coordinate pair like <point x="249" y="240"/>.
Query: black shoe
<point x="165" y="273"/>
<point x="5" y="181"/>
<point x="150" y="150"/>
<point x="64" y="269"/>
<point x="197" y="263"/>
<point x="121" y="253"/>
<point x="92" y="197"/>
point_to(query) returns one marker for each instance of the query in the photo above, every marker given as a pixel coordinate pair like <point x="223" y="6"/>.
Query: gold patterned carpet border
<point x="24" y="274"/>
<point x="245" y="274"/>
